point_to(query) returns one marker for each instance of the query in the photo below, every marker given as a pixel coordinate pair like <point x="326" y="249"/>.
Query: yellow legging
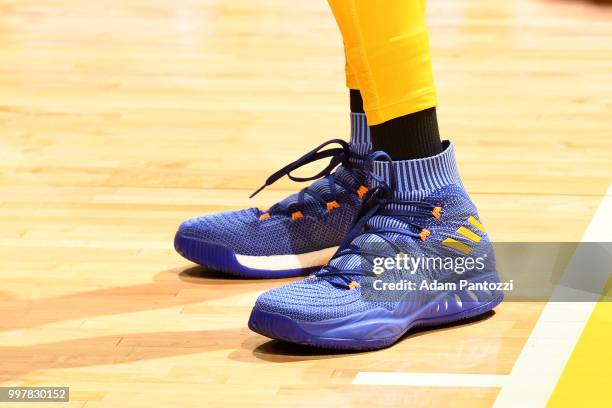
<point x="387" y="55"/>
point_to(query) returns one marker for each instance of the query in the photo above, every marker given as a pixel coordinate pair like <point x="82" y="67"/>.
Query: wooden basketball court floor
<point x="119" y="119"/>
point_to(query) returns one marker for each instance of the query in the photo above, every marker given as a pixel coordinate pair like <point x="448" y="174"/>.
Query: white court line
<point x="430" y="379"/>
<point x="552" y="340"/>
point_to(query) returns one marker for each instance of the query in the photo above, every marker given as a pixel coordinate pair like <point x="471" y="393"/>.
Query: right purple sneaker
<point x="418" y="255"/>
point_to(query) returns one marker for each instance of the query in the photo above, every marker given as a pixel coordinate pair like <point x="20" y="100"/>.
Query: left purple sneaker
<point x="295" y="236"/>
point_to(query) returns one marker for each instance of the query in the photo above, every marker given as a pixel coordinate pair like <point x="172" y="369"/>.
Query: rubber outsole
<point x="221" y="258"/>
<point x="283" y="328"/>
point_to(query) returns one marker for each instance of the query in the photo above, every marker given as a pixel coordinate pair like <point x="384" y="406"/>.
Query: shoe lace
<point x="377" y="202"/>
<point x="338" y="155"/>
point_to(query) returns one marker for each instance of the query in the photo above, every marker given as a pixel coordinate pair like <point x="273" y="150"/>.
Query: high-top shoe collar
<point x="422" y="175"/>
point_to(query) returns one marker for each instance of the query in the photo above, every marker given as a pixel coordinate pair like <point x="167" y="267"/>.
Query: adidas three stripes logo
<point x="467" y="233"/>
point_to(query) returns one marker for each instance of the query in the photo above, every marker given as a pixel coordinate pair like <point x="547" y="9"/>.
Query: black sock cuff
<point x="356" y="101"/>
<point x="412" y="136"/>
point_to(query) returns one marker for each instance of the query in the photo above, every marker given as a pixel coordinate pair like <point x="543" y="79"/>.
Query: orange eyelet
<point x="424" y="234"/>
<point x="437" y="212"/>
<point x="264" y="216"/>
<point x="362" y="191"/>
<point x="353" y="285"/>
<point x="332" y="205"/>
<point x="296" y="215"/>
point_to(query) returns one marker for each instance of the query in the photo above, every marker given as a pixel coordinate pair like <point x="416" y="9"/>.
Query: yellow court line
<point x="586" y="378"/>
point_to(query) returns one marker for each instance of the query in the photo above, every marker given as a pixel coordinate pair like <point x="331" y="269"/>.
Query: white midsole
<point x="284" y="262"/>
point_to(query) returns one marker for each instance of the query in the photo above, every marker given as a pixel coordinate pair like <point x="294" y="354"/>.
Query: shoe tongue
<point x="361" y="141"/>
<point x="416" y="180"/>
<point x="321" y="186"/>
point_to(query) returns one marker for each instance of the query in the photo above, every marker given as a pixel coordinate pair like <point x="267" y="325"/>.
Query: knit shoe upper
<point x="292" y="226"/>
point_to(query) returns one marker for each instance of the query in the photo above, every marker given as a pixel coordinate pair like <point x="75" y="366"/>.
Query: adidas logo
<point x="468" y="234"/>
